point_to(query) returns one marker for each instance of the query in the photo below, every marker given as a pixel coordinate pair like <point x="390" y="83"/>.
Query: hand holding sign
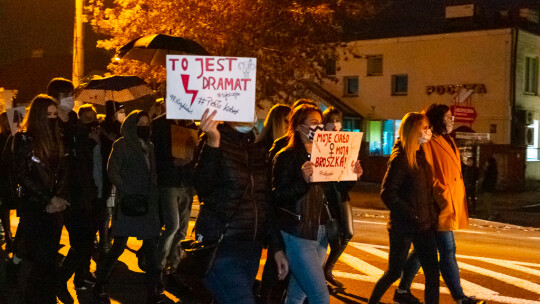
<point x="358" y="168"/>
<point x="209" y="126"/>
<point x="307" y="170"/>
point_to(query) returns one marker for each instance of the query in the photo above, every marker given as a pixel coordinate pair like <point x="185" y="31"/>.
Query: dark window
<point x="330" y="67"/>
<point x="400" y="84"/>
<point x="350" y="84"/>
<point x="531" y="75"/>
<point x="374" y="65"/>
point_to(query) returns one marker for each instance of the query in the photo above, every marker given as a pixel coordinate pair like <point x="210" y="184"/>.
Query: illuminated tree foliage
<point x="289" y="38"/>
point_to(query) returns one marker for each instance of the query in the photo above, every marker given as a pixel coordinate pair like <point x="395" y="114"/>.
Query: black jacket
<point x="408" y="193"/>
<point x="299" y="205"/>
<point x="41" y="179"/>
<point x="232" y="182"/>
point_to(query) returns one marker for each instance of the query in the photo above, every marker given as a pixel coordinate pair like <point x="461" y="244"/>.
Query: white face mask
<point x="426" y="136"/>
<point x="120" y="116"/>
<point x="333" y="126"/>
<point x="67" y="103"/>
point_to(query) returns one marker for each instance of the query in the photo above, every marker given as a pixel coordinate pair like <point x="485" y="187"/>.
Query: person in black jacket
<point x="231" y="180"/>
<point x="301" y="210"/>
<point x="6" y="201"/>
<point x="84" y="193"/>
<point x="283" y="141"/>
<point x="275" y="126"/>
<point x="41" y="170"/>
<point x="339" y="205"/>
<point x="407" y="191"/>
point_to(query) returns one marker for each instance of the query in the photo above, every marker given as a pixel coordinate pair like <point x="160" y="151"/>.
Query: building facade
<point x="489" y="77"/>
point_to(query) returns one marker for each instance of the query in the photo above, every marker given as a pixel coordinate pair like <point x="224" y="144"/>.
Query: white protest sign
<point x="15" y="118"/>
<point x="225" y="84"/>
<point x="334" y="155"/>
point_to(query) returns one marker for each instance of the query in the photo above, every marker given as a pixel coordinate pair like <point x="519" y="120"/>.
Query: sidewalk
<point x="517" y="208"/>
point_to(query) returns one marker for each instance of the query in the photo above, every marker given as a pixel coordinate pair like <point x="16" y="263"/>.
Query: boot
<point x="336" y="249"/>
<point x="154" y="296"/>
<point x="101" y="294"/>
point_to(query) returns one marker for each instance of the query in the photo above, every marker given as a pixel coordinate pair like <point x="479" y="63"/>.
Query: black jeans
<point x="106" y="265"/>
<point x="425" y="245"/>
<point x="82" y="232"/>
<point x="42" y="238"/>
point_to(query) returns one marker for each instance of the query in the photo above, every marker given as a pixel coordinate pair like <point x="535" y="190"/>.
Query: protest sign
<point x="225" y="84"/>
<point x="15" y="118"/>
<point x="334" y="155"/>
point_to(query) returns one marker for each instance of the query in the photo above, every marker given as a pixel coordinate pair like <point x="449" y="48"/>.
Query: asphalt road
<point x="499" y="263"/>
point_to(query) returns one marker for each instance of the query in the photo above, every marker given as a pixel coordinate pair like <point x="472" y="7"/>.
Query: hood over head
<point x="129" y="126"/>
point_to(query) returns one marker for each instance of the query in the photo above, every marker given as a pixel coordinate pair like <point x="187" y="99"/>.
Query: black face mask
<point x="90" y="126"/>
<point x="143" y="132"/>
<point x="52" y="122"/>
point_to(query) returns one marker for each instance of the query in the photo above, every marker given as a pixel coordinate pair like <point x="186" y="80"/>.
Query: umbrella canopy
<point x="152" y="49"/>
<point x="117" y="88"/>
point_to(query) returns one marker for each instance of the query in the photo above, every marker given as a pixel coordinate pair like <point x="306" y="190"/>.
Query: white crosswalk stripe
<point x="371" y="274"/>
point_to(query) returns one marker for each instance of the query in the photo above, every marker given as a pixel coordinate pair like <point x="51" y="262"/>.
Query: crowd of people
<point x="123" y="177"/>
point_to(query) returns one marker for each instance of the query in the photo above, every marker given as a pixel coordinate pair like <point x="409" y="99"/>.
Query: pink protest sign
<point x="225" y="84"/>
<point x="334" y="155"/>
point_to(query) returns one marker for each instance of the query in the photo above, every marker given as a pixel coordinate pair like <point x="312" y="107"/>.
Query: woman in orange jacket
<point x="449" y="192"/>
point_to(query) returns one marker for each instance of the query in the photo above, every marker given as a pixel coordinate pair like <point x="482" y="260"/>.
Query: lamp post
<point x="78" y="49"/>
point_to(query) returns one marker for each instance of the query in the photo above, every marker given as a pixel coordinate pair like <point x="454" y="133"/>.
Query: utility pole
<point x="78" y="48"/>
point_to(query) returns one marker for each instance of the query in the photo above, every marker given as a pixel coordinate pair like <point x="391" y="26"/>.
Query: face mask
<point x="333" y="126"/>
<point x="449" y="127"/>
<point x="311" y="130"/>
<point x="242" y="129"/>
<point x="91" y="126"/>
<point x="426" y="136"/>
<point x="120" y="116"/>
<point x="143" y="132"/>
<point x="52" y="123"/>
<point x="67" y="103"/>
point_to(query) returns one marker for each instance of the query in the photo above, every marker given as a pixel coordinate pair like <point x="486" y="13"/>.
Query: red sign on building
<point x="464" y="114"/>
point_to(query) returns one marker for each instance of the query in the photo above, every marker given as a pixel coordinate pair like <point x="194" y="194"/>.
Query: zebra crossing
<point x="473" y="268"/>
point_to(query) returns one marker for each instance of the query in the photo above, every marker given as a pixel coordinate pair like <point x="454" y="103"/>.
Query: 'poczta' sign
<point x="225" y="84"/>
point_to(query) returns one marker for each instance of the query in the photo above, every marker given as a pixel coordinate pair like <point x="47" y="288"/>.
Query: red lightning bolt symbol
<point x="185" y="82"/>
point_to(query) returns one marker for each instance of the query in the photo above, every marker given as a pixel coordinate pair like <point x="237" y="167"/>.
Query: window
<point x="531" y="140"/>
<point x="350" y="86"/>
<point x="330" y="67"/>
<point x="531" y="75"/>
<point x="382" y="135"/>
<point x="374" y="65"/>
<point x="400" y="84"/>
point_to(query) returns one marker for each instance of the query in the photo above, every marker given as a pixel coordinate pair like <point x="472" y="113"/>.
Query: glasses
<point x="451" y="118"/>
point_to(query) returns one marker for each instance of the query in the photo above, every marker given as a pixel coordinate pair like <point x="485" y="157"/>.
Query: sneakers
<point x="405" y="298"/>
<point x="101" y="294"/>
<point x="85" y="281"/>
<point x="470" y="300"/>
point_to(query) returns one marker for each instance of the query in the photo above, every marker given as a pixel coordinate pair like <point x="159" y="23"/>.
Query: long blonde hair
<point x="408" y="133"/>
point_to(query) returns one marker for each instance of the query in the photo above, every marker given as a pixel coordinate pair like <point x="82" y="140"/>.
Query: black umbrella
<point x="152" y="49"/>
<point x="117" y="88"/>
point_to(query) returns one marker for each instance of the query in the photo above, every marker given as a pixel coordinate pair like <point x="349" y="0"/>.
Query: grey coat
<point x="130" y="172"/>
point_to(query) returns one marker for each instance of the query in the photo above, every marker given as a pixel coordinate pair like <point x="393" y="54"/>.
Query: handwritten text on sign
<point x="225" y="84"/>
<point x="334" y="155"/>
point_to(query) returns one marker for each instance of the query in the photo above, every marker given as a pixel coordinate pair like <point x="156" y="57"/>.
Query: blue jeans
<point x="175" y="210"/>
<point x="306" y="260"/>
<point x="235" y="268"/>
<point x="448" y="265"/>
